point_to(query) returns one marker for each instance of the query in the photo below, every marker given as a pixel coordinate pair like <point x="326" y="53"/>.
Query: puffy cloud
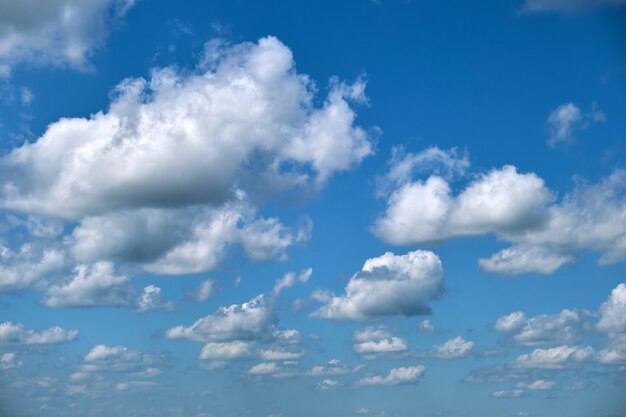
<point x="328" y="384"/>
<point x="290" y="278"/>
<point x="372" y="342"/>
<point x="425" y="211"/>
<point x="30" y="266"/>
<point x="251" y="321"/>
<point x="396" y="376"/>
<point x="16" y="333"/>
<point x="57" y="32"/>
<point x="562" y="328"/>
<point x="518" y="208"/>
<point x="98" y="285"/>
<point x="264" y="368"/>
<point x="280" y="354"/>
<point x="386" y="286"/>
<point x="9" y="361"/>
<point x="102" y="358"/>
<point x="566" y="6"/>
<point x="559" y="357"/>
<point x="615" y="351"/>
<point x="183" y="139"/>
<point x="613" y="311"/>
<point x="92" y="285"/>
<point x="453" y="348"/>
<point x="537" y="385"/>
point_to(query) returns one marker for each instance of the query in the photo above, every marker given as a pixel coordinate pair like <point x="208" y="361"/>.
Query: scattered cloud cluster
<point x="388" y="285"/>
<point x="518" y="208"/>
<point x="16" y="333"/>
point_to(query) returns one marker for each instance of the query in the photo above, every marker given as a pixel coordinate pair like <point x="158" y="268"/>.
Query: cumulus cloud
<point x="397" y="376"/>
<point x="388" y="285"/>
<point x="613" y="311"/>
<point x="615" y="351"/>
<point x="567" y="118"/>
<point x="264" y="368"/>
<point x="57" y="32"/>
<point x="120" y="359"/>
<point x="371" y="342"/>
<point x="30" y="266"/>
<point x="98" y="285"/>
<point x="453" y="348"/>
<point x="565" y="327"/>
<point x="16" y="333"/>
<point x="518" y="208"/>
<point x="290" y="278"/>
<point x="559" y="357"/>
<point x="226" y="351"/>
<point x="206" y="128"/>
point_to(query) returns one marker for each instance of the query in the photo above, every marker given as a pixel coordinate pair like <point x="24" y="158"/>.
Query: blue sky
<point x="380" y="208"/>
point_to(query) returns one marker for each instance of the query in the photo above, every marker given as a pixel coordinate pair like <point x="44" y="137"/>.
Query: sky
<point x="279" y="208"/>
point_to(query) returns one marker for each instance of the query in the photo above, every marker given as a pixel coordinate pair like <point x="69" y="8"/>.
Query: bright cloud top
<point x="388" y="285"/>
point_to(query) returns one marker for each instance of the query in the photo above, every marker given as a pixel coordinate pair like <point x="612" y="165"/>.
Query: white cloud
<point x="566" y="5"/>
<point x="559" y="357"/>
<point x="290" y="278"/>
<point x="205" y="290"/>
<point x="615" y="351"/>
<point x="91" y="285"/>
<point x="333" y="367"/>
<point x="386" y="286"/>
<point x="205" y="127"/>
<point x="251" y="321"/>
<point x="453" y="348"/>
<point x="425" y="326"/>
<point x="524" y="259"/>
<point x="151" y="299"/>
<point x="508" y="394"/>
<point x="264" y="368"/>
<point x="397" y="376"/>
<point x="425" y="211"/>
<point x="537" y="385"/>
<point x="16" y="333"/>
<point x="565" y="327"/>
<point x="226" y="351"/>
<point x="613" y="311"/>
<point x="102" y="358"/>
<point x="9" y="361"/>
<point x="546" y="234"/>
<point x="280" y="354"/>
<point x="31" y="266"/>
<point x="567" y="118"/>
<point x="372" y="342"/>
<point x="328" y="384"/>
<point x="57" y="32"/>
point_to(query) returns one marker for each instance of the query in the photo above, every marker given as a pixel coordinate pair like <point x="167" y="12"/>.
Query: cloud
<point x="565" y="327"/>
<point x="30" y="266"/>
<point x="60" y="33"/>
<point x="537" y="385"/>
<point x="98" y="285"/>
<point x="425" y="326"/>
<point x="119" y="359"/>
<point x="559" y="357"/>
<point x="518" y="208"/>
<point x="566" y="5"/>
<point x="16" y="333"/>
<point x="615" y="351"/>
<point x="498" y="201"/>
<point x="264" y="368"/>
<point x="251" y="321"/>
<point x="371" y="342"/>
<point x="328" y="384"/>
<point x="397" y="376"/>
<point x="613" y="311"/>
<point x="290" y="278"/>
<point x="9" y="361"/>
<point x="388" y="285"/>
<point x="508" y="393"/>
<point x="567" y="118"/>
<point x="281" y="354"/>
<point x="453" y="348"/>
<point x="333" y="367"/>
<point x="248" y="121"/>
<point x="205" y="290"/>
<point x="226" y="351"/>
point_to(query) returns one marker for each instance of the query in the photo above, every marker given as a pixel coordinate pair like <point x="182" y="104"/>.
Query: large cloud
<point x="178" y="140"/>
<point x="388" y="285"/>
<point x="59" y="32"/>
<point x="518" y="208"/>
